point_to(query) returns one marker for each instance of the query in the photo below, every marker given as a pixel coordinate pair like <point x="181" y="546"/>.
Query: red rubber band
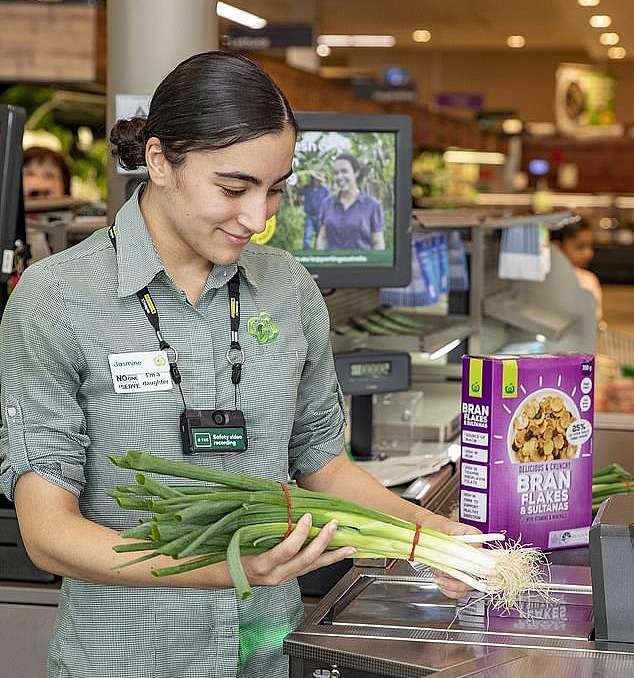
<point x="289" y="506"/>
<point x="415" y="542"/>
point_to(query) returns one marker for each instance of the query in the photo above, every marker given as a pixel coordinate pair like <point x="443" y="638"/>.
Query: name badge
<point x="144" y="371"/>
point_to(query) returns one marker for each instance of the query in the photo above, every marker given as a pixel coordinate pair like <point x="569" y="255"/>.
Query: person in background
<point x="351" y="219"/>
<point x="575" y="240"/>
<point x="217" y="164"/>
<point x="45" y="173"/>
<point x="313" y="194"/>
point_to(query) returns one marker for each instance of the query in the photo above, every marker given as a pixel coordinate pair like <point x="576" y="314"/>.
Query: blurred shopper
<point x="576" y="242"/>
<point x="45" y="174"/>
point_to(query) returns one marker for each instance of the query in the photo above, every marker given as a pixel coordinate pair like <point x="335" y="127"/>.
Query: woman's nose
<point x="253" y="215"/>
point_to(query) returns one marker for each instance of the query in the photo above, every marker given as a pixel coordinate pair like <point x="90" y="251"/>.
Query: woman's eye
<point x="278" y="190"/>
<point x="232" y="192"/>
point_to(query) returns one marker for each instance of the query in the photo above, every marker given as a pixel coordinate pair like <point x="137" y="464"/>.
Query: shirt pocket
<point x="269" y="389"/>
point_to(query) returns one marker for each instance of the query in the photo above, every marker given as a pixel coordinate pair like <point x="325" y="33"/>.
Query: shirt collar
<point x="361" y="197"/>
<point x="139" y="262"/>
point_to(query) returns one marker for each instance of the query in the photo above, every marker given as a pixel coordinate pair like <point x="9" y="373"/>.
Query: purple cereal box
<point x="526" y="462"/>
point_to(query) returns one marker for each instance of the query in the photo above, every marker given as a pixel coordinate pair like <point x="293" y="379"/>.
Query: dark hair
<point x="358" y="168"/>
<point x="40" y="154"/>
<point x="209" y="101"/>
<point x="570" y="230"/>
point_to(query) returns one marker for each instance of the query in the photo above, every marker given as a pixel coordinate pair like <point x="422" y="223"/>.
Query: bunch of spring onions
<point x="609" y="480"/>
<point x="236" y="515"/>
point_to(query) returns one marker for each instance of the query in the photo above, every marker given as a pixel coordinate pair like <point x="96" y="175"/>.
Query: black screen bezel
<point x="11" y="198"/>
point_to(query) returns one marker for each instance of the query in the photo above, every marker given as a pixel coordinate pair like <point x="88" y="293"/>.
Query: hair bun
<point x="127" y="142"/>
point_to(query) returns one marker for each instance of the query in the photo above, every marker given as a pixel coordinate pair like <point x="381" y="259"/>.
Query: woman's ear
<point x="158" y="166"/>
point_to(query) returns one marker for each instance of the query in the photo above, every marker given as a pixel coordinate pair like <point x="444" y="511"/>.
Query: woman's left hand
<point x="452" y="588"/>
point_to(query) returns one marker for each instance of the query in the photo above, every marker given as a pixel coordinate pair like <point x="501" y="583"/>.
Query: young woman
<point x="351" y="219"/>
<point x="73" y="388"/>
<point x="576" y="241"/>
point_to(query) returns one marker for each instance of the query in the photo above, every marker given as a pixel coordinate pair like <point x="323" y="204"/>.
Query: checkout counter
<point x="389" y="619"/>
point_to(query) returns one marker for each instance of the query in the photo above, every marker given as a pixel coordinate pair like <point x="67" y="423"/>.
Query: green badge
<point x="263" y="328"/>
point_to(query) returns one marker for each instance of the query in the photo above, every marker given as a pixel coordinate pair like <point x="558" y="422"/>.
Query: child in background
<point x="575" y="241"/>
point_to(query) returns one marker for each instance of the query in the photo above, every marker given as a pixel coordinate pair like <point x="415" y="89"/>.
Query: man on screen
<point x="313" y="194"/>
<point x="351" y="219"/>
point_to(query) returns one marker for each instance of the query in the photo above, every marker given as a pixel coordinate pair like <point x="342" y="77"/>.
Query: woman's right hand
<point x="291" y="559"/>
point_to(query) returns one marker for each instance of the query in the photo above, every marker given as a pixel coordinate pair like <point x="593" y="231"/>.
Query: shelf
<point x="525" y="316"/>
<point x="478" y="218"/>
<point x="441" y="331"/>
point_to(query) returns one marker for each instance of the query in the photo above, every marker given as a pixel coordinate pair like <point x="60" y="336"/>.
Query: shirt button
<point x="11" y="411"/>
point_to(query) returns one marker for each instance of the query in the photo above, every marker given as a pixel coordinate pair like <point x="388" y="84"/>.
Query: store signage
<point x="48" y="43"/>
<point x="370" y="90"/>
<point x="271" y="36"/>
<point x="460" y="100"/>
<point x="585" y="101"/>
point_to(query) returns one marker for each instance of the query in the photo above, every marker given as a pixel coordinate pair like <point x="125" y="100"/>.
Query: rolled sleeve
<point x="319" y="427"/>
<point x="43" y="427"/>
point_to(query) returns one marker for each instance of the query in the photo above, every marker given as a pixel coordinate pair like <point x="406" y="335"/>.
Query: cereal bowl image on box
<point x="540" y="426"/>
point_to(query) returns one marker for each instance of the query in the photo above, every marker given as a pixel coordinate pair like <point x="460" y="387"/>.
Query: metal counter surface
<point x="393" y="621"/>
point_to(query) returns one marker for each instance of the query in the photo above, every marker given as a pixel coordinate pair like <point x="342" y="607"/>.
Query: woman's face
<point x="217" y="200"/>
<point x="345" y="176"/>
<point x="578" y="248"/>
<point x="42" y="177"/>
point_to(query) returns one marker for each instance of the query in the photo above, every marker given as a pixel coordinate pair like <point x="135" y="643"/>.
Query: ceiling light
<point x="617" y="52"/>
<point x="512" y="126"/>
<point x="516" y="41"/>
<point x="609" y="38"/>
<point x="474" y="157"/>
<point x="421" y="36"/>
<point x="323" y="50"/>
<point x="600" y="21"/>
<point x="239" y="16"/>
<point x="588" y="3"/>
<point x="357" y="40"/>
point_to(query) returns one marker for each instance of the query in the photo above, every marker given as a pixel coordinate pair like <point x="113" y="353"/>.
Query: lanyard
<point x="235" y="354"/>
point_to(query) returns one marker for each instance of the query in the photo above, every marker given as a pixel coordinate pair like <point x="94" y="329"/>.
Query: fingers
<point x="329" y="558"/>
<point x="291" y="558"/>
<point x="452" y="588"/>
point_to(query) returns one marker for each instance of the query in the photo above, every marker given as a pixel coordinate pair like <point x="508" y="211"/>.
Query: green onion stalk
<point x="232" y="515"/>
<point x="608" y="481"/>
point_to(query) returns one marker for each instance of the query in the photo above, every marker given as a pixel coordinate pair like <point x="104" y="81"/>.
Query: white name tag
<point x="145" y="371"/>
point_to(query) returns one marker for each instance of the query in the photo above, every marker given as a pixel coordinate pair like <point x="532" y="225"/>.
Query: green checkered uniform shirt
<point x="62" y="418"/>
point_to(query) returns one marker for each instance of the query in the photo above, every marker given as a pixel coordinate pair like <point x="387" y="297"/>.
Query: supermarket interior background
<point x="497" y="140"/>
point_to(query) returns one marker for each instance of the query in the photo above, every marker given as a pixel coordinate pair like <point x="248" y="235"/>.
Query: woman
<point x="72" y="393"/>
<point x="351" y="219"/>
<point x="576" y="241"/>
<point x="45" y="173"/>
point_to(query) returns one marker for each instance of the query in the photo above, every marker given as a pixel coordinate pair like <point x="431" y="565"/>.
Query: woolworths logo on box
<point x="475" y="378"/>
<point x="509" y="379"/>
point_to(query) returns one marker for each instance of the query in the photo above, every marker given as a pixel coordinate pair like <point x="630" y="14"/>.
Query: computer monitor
<point x="11" y="198"/>
<point x="346" y="211"/>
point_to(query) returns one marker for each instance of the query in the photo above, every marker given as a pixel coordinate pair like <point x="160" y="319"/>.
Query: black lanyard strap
<point x="235" y="354"/>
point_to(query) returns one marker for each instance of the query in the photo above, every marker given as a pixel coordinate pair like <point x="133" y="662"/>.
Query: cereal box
<point x="526" y="440"/>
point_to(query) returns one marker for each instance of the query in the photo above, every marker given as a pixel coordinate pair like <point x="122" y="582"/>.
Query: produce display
<point x="236" y="515"/>
<point x="610" y="480"/>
